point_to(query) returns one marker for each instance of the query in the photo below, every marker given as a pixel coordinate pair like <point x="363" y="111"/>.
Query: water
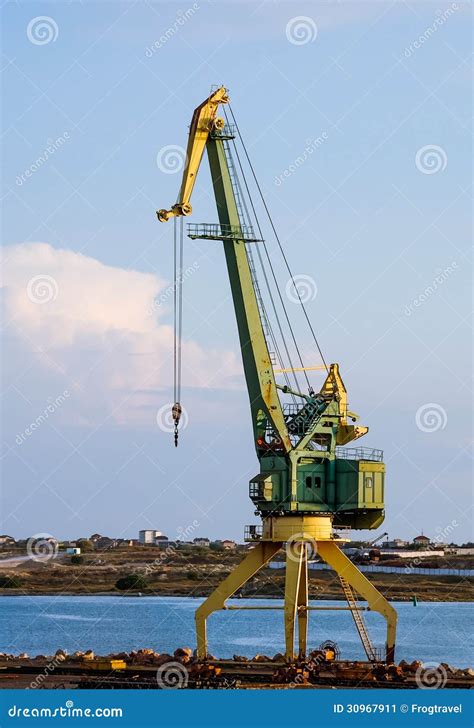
<point x="438" y="632"/>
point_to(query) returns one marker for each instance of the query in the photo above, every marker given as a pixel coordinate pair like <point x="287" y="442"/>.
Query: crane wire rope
<point x="280" y="247"/>
<point x="178" y="248"/>
<point x="266" y="321"/>
<point x="270" y="266"/>
<point x="273" y="274"/>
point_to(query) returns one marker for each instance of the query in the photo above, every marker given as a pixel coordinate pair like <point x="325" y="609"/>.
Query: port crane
<point x="309" y="482"/>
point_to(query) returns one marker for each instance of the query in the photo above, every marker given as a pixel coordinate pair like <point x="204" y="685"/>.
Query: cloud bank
<point x="73" y="323"/>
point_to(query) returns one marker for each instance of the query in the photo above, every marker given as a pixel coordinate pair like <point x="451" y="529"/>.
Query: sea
<point x="432" y="632"/>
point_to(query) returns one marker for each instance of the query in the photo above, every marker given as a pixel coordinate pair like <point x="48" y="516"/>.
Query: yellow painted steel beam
<point x="303" y="603"/>
<point x="255" y="560"/>
<point x="343" y="566"/>
<point x="295" y="555"/>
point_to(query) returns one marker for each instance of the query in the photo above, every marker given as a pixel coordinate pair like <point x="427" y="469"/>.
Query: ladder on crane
<point x="361" y="627"/>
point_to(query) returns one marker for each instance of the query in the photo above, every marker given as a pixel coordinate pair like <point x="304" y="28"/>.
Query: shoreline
<point x="167" y="595"/>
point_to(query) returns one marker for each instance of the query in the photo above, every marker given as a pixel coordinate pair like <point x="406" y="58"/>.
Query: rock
<point x="60" y="654"/>
<point x="261" y="658"/>
<point x="77" y="655"/>
<point x="163" y="659"/>
<point x="89" y="655"/>
<point x="183" y="654"/>
<point x="279" y="657"/>
<point x="119" y="656"/>
<point x="23" y="656"/>
<point x="240" y="658"/>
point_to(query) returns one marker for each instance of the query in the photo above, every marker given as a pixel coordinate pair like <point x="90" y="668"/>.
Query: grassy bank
<point x="196" y="572"/>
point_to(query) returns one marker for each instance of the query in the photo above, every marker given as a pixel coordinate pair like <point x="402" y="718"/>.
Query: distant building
<point x="397" y="543"/>
<point x="123" y="543"/>
<point x="101" y="543"/>
<point x="148" y="536"/>
<point x="6" y="541"/>
<point x="201" y="542"/>
<point x="422" y="540"/>
<point x="228" y="545"/>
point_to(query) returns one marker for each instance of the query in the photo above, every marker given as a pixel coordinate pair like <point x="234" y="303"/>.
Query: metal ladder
<point x="369" y="648"/>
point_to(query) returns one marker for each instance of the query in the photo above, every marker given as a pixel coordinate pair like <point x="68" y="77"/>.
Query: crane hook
<point x="176" y="411"/>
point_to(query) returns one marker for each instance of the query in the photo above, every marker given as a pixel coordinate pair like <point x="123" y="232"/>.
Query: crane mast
<point x="308" y="481"/>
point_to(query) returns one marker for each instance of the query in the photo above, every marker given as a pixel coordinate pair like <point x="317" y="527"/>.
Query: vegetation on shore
<point x="197" y="571"/>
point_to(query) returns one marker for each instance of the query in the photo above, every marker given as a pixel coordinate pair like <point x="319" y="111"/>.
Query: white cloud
<point x="73" y="322"/>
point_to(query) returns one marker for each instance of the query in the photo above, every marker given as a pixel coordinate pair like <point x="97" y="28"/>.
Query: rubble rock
<point x="183" y="654"/>
<point x="89" y="655"/>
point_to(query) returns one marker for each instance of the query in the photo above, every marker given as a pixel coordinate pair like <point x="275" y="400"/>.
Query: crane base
<point x="302" y="536"/>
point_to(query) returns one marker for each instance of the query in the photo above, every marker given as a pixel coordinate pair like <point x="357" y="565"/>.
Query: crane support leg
<point x="303" y="604"/>
<point x="255" y="560"/>
<point x="296" y="598"/>
<point x="332" y="555"/>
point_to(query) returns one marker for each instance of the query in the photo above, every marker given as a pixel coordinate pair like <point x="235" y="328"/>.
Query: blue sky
<point x="378" y="216"/>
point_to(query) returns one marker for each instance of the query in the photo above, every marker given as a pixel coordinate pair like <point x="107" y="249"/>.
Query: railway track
<point x="216" y="674"/>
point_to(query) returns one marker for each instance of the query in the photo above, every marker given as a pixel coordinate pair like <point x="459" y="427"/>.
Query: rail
<point x="215" y="231"/>
<point x="359" y="453"/>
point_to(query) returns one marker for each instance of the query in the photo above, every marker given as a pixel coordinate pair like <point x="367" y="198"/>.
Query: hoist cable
<point x="177" y="321"/>
<point x="279" y="244"/>
<point x="248" y="250"/>
<point x="269" y="259"/>
<point x="180" y="303"/>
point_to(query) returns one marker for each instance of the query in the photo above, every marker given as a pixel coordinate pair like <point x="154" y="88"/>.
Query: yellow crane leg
<point x="303" y="604"/>
<point x="294" y="592"/>
<point x="255" y="560"/>
<point x="332" y="555"/>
